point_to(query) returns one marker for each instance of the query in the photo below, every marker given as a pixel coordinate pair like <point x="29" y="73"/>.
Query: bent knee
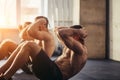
<point x="31" y="45"/>
<point x="32" y="48"/>
<point x="8" y="42"/>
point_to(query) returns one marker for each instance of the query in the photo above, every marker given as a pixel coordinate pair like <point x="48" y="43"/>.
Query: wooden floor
<point x="93" y="70"/>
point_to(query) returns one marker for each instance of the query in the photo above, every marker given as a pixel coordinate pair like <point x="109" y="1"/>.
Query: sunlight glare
<point x="7" y="13"/>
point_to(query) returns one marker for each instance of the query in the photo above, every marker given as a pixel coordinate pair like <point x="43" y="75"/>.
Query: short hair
<point x="76" y="26"/>
<point x="38" y="17"/>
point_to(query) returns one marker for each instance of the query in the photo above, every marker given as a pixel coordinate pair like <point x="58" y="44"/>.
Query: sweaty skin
<point x="74" y="54"/>
<point x="28" y="48"/>
<point x="37" y="29"/>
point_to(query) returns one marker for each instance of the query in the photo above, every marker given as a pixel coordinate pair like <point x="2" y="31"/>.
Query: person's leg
<point x="10" y="60"/>
<point x="28" y="49"/>
<point x="7" y="47"/>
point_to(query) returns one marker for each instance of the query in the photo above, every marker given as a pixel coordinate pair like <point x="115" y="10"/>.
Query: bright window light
<point x="16" y="12"/>
<point x="7" y="13"/>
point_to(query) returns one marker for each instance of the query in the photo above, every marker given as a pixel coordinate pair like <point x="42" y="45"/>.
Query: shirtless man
<point x="67" y="65"/>
<point x="8" y="46"/>
<point x="29" y="48"/>
<point x="74" y="53"/>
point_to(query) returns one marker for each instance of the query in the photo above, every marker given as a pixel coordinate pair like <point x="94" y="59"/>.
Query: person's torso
<point x="70" y="63"/>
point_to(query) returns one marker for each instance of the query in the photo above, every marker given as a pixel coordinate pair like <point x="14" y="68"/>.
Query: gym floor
<point x="93" y="70"/>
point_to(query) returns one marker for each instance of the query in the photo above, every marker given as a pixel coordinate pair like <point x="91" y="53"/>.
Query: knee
<point x="32" y="48"/>
<point x="29" y="45"/>
<point x="7" y="42"/>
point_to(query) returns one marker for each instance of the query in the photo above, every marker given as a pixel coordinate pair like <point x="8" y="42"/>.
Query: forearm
<point x="35" y="29"/>
<point x="66" y="36"/>
<point x="67" y="31"/>
<point x="70" y="32"/>
<point x="24" y="34"/>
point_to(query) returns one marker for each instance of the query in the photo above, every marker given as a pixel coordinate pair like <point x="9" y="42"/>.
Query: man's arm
<point x="66" y="34"/>
<point x="38" y="31"/>
<point x="24" y="34"/>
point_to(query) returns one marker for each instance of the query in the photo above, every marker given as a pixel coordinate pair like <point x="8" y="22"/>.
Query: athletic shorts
<point x="44" y="68"/>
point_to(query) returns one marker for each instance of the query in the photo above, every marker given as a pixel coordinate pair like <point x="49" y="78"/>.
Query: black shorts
<point x="44" y="68"/>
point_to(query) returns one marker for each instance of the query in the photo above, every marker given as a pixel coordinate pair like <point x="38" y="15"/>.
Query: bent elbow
<point x="61" y="33"/>
<point x="30" y="32"/>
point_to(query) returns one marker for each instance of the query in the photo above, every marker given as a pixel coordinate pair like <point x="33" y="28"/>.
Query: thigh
<point x="31" y="47"/>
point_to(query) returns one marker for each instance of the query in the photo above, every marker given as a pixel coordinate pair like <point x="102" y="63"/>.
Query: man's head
<point x="78" y="36"/>
<point x="40" y="17"/>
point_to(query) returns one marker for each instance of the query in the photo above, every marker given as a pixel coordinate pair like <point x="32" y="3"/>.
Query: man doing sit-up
<point x="71" y="61"/>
